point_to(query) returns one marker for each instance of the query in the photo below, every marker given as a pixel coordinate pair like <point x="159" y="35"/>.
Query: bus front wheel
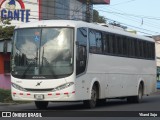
<point x="41" y="104"/>
<point x="92" y="102"/>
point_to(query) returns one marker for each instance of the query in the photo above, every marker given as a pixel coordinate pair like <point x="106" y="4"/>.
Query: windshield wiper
<point x="51" y="70"/>
<point x="26" y="70"/>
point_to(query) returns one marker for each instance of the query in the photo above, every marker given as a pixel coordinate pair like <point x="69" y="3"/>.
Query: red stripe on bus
<point x="66" y="93"/>
<point x="74" y="92"/>
<point x="57" y="93"/>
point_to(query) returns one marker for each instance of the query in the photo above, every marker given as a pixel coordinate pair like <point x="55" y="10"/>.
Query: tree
<point x="98" y="18"/>
<point x="5" y="21"/>
<point x="6" y="32"/>
<point x="118" y="25"/>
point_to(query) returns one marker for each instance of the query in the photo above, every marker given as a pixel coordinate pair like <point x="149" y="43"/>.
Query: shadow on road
<point x="111" y="104"/>
<point x="78" y="106"/>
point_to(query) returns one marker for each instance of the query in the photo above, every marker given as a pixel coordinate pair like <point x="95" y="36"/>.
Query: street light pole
<point x="88" y="10"/>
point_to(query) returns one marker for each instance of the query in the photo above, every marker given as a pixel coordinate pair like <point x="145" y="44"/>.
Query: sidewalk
<point x="6" y="104"/>
<point x="158" y="91"/>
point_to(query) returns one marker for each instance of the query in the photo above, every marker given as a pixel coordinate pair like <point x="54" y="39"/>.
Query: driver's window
<point x="81" y="50"/>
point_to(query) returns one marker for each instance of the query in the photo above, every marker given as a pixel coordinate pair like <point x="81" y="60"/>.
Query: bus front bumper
<point x="42" y="96"/>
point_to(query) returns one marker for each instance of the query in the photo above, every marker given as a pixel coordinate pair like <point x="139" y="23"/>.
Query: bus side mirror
<point x="11" y="38"/>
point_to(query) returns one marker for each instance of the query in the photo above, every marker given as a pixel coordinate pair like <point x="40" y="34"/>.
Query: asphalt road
<point x="113" y="108"/>
<point x="150" y="103"/>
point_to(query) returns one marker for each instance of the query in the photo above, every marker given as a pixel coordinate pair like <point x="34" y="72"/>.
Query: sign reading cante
<point x="14" y="10"/>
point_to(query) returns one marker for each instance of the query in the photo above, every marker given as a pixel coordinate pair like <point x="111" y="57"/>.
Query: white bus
<point x="65" y="60"/>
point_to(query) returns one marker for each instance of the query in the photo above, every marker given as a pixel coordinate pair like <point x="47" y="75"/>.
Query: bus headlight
<point x="66" y="85"/>
<point x="18" y="87"/>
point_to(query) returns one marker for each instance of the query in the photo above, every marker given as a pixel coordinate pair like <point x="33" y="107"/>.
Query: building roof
<point x="157" y="37"/>
<point x="101" y="1"/>
<point x="97" y="1"/>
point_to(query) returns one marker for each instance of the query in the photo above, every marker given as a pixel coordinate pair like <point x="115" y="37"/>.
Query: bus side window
<point x="81" y="51"/>
<point x="95" y="40"/>
<point x="105" y="43"/>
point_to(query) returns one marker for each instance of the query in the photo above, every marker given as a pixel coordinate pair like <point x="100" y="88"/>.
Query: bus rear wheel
<point x="138" y="98"/>
<point x="101" y="102"/>
<point x="41" y="104"/>
<point x="92" y="102"/>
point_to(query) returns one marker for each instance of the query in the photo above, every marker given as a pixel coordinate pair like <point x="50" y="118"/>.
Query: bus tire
<point x="93" y="101"/>
<point x="101" y="102"/>
<point x="41" y="104"/>
<point x="138" y="98"/>
<point x="130" y="99"/>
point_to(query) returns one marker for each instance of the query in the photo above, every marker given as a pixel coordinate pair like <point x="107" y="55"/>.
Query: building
<point x="157" y="42"/>
<point x="20" y="11"/>
<point x="157" y="39"/>
<point x="5" y="52"/>
<point x="62" y="9"/>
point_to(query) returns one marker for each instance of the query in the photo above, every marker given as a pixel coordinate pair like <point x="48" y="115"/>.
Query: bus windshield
<point x="40" y="53"/>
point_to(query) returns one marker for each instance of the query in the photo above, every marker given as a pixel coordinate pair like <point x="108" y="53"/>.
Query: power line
<point x="135" y="27"/>
<point x="135" y="18"/>
<point x="139" y="20"/>
<point x="126" y="14"/>
<point x="123" y="2"/>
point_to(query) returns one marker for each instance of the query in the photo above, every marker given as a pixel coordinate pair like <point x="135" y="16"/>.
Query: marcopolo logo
<point x="8" y="10"/>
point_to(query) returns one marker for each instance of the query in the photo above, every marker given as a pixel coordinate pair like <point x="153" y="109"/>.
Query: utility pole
<point x="88" y="10"/>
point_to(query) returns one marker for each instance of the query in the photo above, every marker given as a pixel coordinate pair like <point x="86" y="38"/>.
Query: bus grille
<point x="39" y="90"/>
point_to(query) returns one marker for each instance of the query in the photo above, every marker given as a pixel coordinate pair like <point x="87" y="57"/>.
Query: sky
<point x="140" y="15"/>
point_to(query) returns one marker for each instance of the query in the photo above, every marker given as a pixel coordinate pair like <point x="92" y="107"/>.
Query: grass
<point x="5" y="97"/>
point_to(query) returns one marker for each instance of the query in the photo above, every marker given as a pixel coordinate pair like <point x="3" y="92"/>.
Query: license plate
<point x="39" y="97"/>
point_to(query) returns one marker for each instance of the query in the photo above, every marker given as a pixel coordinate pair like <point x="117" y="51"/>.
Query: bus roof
<point x="77" y="24"/>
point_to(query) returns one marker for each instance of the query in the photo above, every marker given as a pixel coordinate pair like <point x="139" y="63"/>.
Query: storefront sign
<point x="8" y="10"/>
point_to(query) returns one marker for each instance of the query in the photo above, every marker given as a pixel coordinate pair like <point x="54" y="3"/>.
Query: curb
<point x="157" y="92"/>
<point x="7" y="104"/>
